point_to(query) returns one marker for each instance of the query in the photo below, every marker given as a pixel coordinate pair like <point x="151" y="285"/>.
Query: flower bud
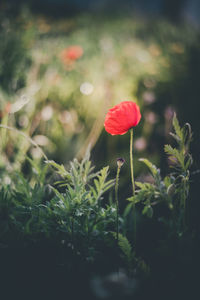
<point x="120" y="162"/>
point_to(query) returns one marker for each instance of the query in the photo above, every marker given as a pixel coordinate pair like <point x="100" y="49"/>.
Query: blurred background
<point x="64" y="63"/>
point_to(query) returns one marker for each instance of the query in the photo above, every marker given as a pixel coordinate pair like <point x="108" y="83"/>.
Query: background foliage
<point x="58" y="214"/>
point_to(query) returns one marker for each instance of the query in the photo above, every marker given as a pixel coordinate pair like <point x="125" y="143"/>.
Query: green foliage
<point x="149" y="194"/>
<point x="180" y="156"/>
<point x="72" y="209"/>
<point x="153" y="169"/>
<point x="6" y="211"/>
<point x="173" y="190"/>
<point x="126" y="249"/>
<point x="68" y="207"/>
<point x="56" y="108"/>
<point x="78" y="208"/>
<point x="14" y="57"/>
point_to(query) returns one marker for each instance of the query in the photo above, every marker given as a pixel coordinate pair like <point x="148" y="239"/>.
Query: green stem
<point x="133" y="182"/>
<point x="131" y="161"/>
<point x="72" y="228"/>
<point x="184" y="202"/>
<point x="117" y="203"/>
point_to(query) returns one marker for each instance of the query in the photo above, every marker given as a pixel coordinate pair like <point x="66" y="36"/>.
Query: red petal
<point x="122" y="117"/>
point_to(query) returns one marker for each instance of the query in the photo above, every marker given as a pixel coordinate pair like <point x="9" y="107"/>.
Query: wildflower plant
<point x="72" y="209"/>
<point x="173" y="189"/>
<point x="120" y="119"/>
<point x="80" y="200"/>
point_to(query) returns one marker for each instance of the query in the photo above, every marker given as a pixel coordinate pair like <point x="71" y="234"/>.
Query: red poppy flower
<point x="122" y="117"/>
<point x="7" y="108"/>
<point x="71" y="53"/>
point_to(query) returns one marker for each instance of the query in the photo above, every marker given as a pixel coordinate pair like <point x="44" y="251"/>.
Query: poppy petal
<point x="122" y="117"/>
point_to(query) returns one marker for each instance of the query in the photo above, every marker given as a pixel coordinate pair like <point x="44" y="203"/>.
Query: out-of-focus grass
<point x="63" y="104"/>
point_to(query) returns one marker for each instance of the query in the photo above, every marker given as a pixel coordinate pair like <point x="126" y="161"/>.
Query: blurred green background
<point x="63" y="65"/>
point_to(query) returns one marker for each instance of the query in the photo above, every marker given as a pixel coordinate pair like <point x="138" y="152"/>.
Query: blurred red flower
<point x="7" y="108"/>
<point x="71" y="54"/>
<point x="122" y="117"/>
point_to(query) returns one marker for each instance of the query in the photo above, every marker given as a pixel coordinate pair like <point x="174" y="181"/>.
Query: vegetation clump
<point x="67" y="217"/>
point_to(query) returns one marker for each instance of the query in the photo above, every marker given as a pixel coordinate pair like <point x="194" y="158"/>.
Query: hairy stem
<point x="133" y="182"/>
<point x="117" y="202"/>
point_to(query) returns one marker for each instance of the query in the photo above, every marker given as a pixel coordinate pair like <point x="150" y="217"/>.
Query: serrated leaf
<point x="133" y="199"/>
<point x="151" y="166"/>
<point x="143" y="185"/>
<point x="175" y="153"/>
<point x="177" y="128"/>
<point x="58" y="194"/>
<point x="124" y="246"/>
<point x="101" y="184"/>
<point x="59" y="168"/>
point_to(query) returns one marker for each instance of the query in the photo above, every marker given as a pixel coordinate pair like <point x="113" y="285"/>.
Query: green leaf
<point x="101" y="185"/>
<point x="133" y="199"/>
<point x="144" y="185"/>
<point x="60" y="169"/>
<point x="177" y="128"/>
<point x="127" y="209"/>
<point x="151" y="167"/>
<point x="175" y="153"/>
<point x="148" y="210"/>
<point x="58" y="194"/>
<point x="125" y="247"/>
